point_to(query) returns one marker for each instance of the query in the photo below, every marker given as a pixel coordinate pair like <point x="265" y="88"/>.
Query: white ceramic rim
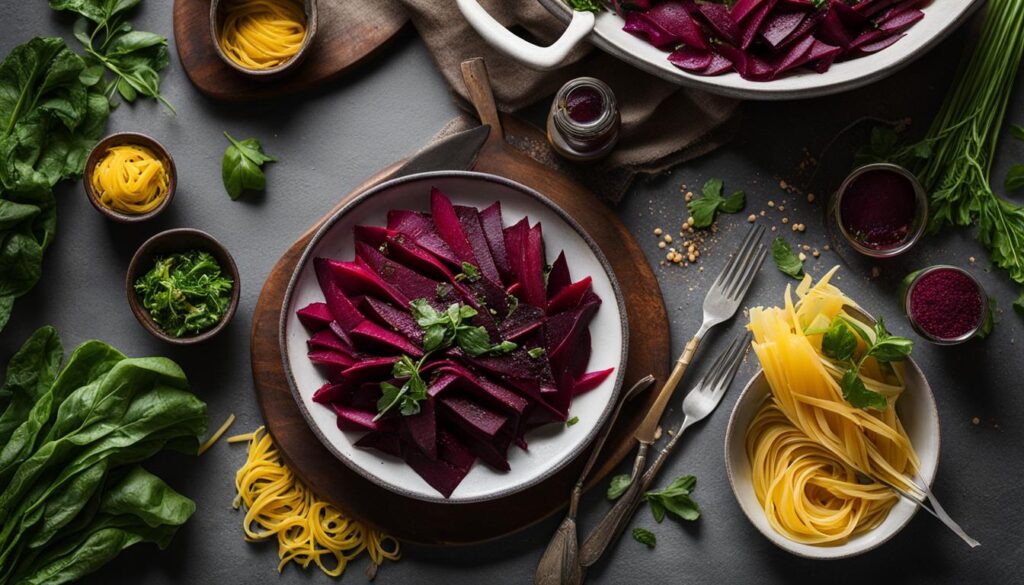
<point x="941" y="18"/>
<point x="929" y="470"/>
<point x="427" y="177"/>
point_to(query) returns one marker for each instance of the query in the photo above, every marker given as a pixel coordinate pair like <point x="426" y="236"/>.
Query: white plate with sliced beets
<point x="453" y="336"/>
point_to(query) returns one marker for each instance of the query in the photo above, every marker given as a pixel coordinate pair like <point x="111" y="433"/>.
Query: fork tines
<point x="739" y="272"/>
<point x="718" y="378"/>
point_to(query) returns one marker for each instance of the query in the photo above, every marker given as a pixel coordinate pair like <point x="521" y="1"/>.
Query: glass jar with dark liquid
<point x="583" y="124"/>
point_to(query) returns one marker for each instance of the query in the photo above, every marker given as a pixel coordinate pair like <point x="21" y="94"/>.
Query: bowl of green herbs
<point x="183" y="286"/>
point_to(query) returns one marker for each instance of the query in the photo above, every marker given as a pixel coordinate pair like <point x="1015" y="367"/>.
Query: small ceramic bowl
<point x="169" y="242"/>
<point x="217" y="18"/>
<point x="907" y="288"/>
<point x="135" y="139"/>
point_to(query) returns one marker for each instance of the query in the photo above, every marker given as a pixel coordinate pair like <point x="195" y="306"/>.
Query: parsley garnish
<point x="241" y="168"/>
<point x="703" y="209"/>
<point x="572" y="421"/>
<point x="786" y="260"/>
<point x="443" y="329"/>
<point x="839" y="343"/>
<point x="469" y="272"/>
<point x="409" y="395"/>
<point x="536" y="352"/>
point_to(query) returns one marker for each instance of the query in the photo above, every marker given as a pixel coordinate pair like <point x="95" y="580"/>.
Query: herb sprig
<point x="674" y="499"/>
<point x="241" y="168"/>
<point x="839" y="343"/>
<point x="407" y="396"/>
<point x="185" y="293"/>
<point x="703" y="209"/>
<point x="786" y="260"/>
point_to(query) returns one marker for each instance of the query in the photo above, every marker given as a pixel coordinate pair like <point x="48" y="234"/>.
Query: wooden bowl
<point x="216" y="17"/>
<point x="169" y="242"/>
<point x="135" y="139"/>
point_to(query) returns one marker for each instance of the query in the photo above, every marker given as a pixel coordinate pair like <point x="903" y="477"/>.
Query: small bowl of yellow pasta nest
<point x="802" y="441"/>
<point x="263" y="39"/>
<point x="130" y="177"/>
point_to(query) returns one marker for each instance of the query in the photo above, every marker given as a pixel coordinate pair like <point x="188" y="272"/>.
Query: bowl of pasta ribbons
<point x="800" y="454"/>
<point x="263" y="39"/>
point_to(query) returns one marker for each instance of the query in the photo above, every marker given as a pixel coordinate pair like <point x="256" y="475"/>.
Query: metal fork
<point x="720" y="304"/>
<point x="697" y="405"/>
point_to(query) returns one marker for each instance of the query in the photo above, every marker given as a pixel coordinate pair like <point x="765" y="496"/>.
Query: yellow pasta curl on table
<point x="262" y="34"/>
<point x="130" y="179"/>
<point x="809" y="449"/>
<point x="308" y="530"/>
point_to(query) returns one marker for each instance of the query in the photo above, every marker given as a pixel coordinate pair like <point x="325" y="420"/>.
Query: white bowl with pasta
<point x="919" y="416"/>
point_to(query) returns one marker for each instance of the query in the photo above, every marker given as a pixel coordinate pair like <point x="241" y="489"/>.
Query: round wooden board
<point x="345" y="37"/>
<point x="443" y="524"/>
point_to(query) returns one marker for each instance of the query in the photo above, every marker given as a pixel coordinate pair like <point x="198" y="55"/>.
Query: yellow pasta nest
<point x="807" y="445"/>
<point x="262" y="34"/>
<point x="308" y="530"/>
<point x="130" y="179"/>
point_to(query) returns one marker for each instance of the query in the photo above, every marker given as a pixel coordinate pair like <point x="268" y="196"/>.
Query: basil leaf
<point x="858" y="395"/>
<point x="734" y="203"/>
<point x="786" y="260"/>
<point x="888" y="347"/>
<point x="618" y="486"/>
<point x="644" y="536"/>
<point x="241" y="167"/>
<point x="839" y="342"/>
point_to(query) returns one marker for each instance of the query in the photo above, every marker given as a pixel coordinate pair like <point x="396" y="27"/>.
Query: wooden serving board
<point x="435" y="523"/>
<point x="345" y="37"/>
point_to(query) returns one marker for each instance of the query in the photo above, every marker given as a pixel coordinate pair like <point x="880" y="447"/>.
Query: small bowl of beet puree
<point x="945" y="304"/>
<point x="881" y="210"/>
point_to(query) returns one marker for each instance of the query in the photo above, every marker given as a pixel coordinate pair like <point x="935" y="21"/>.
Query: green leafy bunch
<point x="185" y="293"/>
<point x="135" y="57"/>
<point x="441" y="330"/>
<point x="839" y="343"/>
<point x="703" y="209"/>
<point x="72" y="492"/>
<point x="52" y="111"/>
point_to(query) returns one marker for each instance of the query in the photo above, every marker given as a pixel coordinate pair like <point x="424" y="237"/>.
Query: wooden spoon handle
<point x="478" y="84"/>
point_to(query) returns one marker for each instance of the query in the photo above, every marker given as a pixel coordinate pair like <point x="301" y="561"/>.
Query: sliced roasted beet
<point x="469" y="220"/>
<point x="353" y="419"/>
<point x="366" y="395"/>
<point x="372" y="235"/>
<point x="332" y="359"/>
<point x="900" y="21"/>
<point x="452" y="450"/>
<point x="515" y="365"/>
<point x="387" y="443"/>
<point x="675" y="20"/>
<point x="422" y="428"/>
<point x="753" y="24"/>
<point x="875" y="46"/>
<point x="532" y="275"/>
<point x="441" y="475"/>
<point x="559" y="277"/>
<point x="719" y="65"/>
<point x="446" y="222"/>
<point x="493" y="226"/>
<point x="718" y="17"/>
<point x="409" y="283"/>
<point x="326" y="339"/>
<point x="590" y="380"/>
<point x="397" y="319"/>
<point x="315" y="316"/>
<point x="486" y="390"/>
<point x="743" y="8"/>
<point x="779" y="25"/>
<point x="441" y="384"/>
<point x="474" y="418"/>
<point x="848" y="14"/>
<point x="523" y="320"/>
<point x="356" y="278"/>
<point x="371" y="337"/>
<point x="795" y="56"/>
<point x="833" y="31"/>
<point x="570" y="297"/>
<point x="332" y="392"/>
<point x="690" y="59"/>
<point x="579" y="356"/>
<point x="806" y="28"/>
<point x="748" y="66"/>
<point x="370" y="369"/>
<point x="515" y="244"/>
<point x="339" y="305"/>
<point x="564" y="352"/>
<point x="420" y="228"/>
<point x="642" y="27"/>
<point x="871" y="7"/>
<point x="485" y="296"/>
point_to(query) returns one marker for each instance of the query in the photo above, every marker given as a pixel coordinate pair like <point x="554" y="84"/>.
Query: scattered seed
<point x="815" y="253"/>
<point x="976" y="420"/>
<point x="785" y="220"/>
<point x="668" y="238"/>
<point x="751" y="218"/>
<point x="771" y="203"/>
<point x="802" y="256"/>
<point x="783" y="185"/>
<point x="810" y="197"/>
<point x="661" y="245"/>
<point x="657" y="231"/>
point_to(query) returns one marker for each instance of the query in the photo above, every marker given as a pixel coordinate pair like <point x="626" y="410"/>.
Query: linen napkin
<point x="662" y="123"/>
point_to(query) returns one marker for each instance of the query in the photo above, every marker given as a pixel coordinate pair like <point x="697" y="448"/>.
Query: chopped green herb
<point x="786" y="260"/>
<point x="644" y="536"/>
<point x="409" y="395"/>
<point x="618" y="486"/>
<point x="242" y="166"/>
<point x="674" y="499"/>
<point x="443" y="289"/>
<point x="185" y="293"/>
<point x="469" y="272"/>
<point x="536" y="352"/>
<point x="594" y="6"/>
<point x="572" y="421"/>
<point x="703" y="209"/>
<point x="441" y="330"/>
<point x="840" y="344"/>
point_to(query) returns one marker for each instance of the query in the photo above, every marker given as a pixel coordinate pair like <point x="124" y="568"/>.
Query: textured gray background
<point x="329" y="141"/>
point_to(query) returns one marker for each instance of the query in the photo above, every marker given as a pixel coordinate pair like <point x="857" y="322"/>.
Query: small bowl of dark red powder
<point x="881" y="209"/>
<point x="945" y="304"/>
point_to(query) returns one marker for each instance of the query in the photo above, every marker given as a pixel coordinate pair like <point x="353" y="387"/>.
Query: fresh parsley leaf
<point x="887" y="347"/>
<point x="618" y="486"/>
<point x="644" y="536"/>
<point x="535" y="352"/>
<point x="990" y="320"/>
<point x="857" y="394"/>
<point x="441" y="330"/>
<point x="594" y="6"/>
<point x="703" y="209"/>
<point x="674" y="499"/>
<point x="839" y="342"/>
<point x="572" y="421"/>
<point x="471" y="273"/>
<point x="1014" y="178"/>
<point x="409" y="395"/>
<point x="443" y="290"/>
<point x="242" y="166"/>
<point x="786" y="260"/>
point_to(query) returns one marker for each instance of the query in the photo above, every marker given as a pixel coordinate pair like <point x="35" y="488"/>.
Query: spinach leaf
<point x="30" y="373"/>
<point x="241" y="167"/>
<point x="786" y="260"/>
